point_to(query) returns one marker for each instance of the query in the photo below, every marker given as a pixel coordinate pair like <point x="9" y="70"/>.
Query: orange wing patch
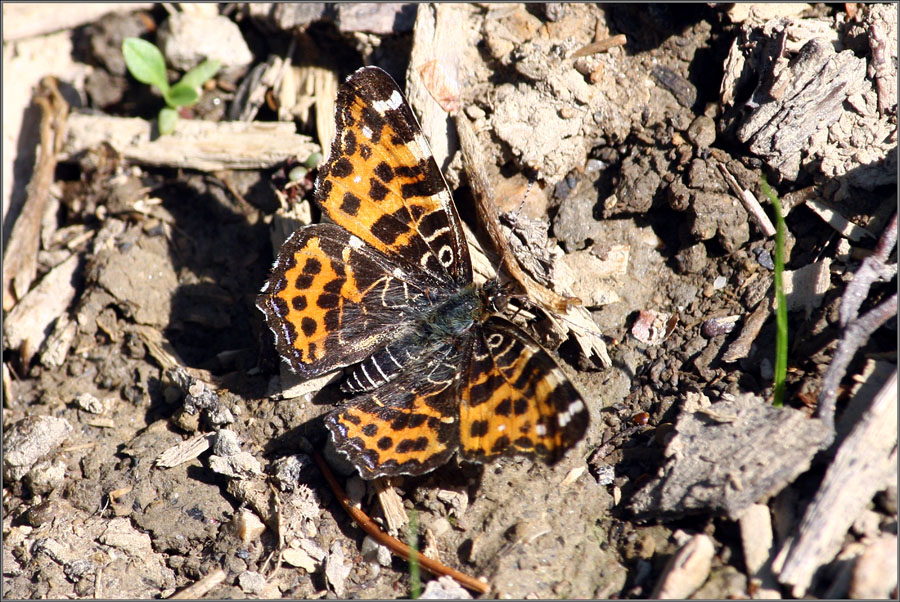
<point x="324" y="301"/>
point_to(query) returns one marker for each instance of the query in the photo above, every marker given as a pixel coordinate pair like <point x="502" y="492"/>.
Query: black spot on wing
<point x="350" y="204"/>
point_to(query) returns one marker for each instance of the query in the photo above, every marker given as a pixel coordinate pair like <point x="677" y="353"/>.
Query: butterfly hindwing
<point x="515" y="399"/>
<point x="409" y="425"/>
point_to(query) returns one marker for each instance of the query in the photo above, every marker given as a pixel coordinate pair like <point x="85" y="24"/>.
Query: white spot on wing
<point x="541" y="430"/>
<point x="391" y="104"/>
<point x="356" y="242"/>
<point x="501" y="428"/>
<point x="564" y="417"/>
<point x="445" y="256"/>
<point x="367" y="132"/>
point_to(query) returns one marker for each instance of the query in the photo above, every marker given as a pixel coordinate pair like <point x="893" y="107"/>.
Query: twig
<point x="393" y="544"/>
<point x="750" y="203"/>
<point x="872" y="268"/>
<point x="20" y="257"/>
<point x="601" y="45"/>
<point x="487" y="210"/>
<point x="202" y="587"/>
<point x="855" y="336"/>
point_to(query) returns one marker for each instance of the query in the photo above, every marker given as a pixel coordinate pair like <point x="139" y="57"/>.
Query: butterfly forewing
<point x="382" y="184"/>
<point x="331" y="300"/>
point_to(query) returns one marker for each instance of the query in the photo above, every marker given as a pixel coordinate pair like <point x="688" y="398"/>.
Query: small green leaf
<point x="313" y="160"/>
<point x="199" y="75"/>
<point x="167" y="119"/>
<point x="297" y="173"/>
<point x="145" y="63"/>
<point x="181" y="96"/>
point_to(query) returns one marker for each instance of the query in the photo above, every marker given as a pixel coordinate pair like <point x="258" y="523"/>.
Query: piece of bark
<point x="862" y="467"/>
<point x="27" y="325"/>
<point x="724" y="458"/>
<point x="195" y="144"/>
<point x="797" y="99"/>
<point x="20" y="257"/>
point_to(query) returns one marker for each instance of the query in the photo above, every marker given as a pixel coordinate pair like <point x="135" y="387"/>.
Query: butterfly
<point x="387" y="292"/>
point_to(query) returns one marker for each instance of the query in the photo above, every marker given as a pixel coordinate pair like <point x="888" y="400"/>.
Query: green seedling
<point x="146" y="64"/>
<point x="781" y="332"/>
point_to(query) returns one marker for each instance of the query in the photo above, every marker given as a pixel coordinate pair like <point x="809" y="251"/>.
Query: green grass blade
<point x="415" y="582"/>
<point x="781" y="335"/>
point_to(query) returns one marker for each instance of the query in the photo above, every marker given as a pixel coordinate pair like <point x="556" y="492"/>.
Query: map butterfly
<point x="386" y="291"/>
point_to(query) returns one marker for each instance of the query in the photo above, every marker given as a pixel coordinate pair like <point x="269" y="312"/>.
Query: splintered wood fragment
<point x="837" y="221"/>
<point x="391" y="504"/>
<point x="487" y="209"/>
<point x="863" y="465"/>
<point x="20" y="255"/>
<point x="201" y="587"/>
<point x="26" y="325"/>
<point x="601" y="45"/>
<point x="396" y="546"/>
<point x="749" y="200"/>
<point x="195" y="144"/>
<point x="185" y="451"/>
<point x="563" y="312"/>
<point x="752" y="325"/>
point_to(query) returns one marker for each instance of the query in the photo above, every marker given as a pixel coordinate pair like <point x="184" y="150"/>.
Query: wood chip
<point x="395" y="515"/>
<point x="805" y="288"/>
<point x="21" y="252"/>
<point x="740" y="348"/>
<point x="30" y="319"/>
<point x="195" y="144"/>
<point x="837" y="221"/>
<point x="201" y="587"/>
<point x="185" y="451"/>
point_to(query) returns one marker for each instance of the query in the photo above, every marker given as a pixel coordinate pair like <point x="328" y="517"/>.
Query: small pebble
<point x="764" y="258"/>
<point x="226" y="443"/>
<point x="89" y="403"/>
<point x="716" y="326"/>
<point x="594" y="166"/>
<point x="702" y="132"/>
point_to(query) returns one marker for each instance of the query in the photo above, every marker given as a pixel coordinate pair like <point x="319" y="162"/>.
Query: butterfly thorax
<point x="455" y="315"/>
